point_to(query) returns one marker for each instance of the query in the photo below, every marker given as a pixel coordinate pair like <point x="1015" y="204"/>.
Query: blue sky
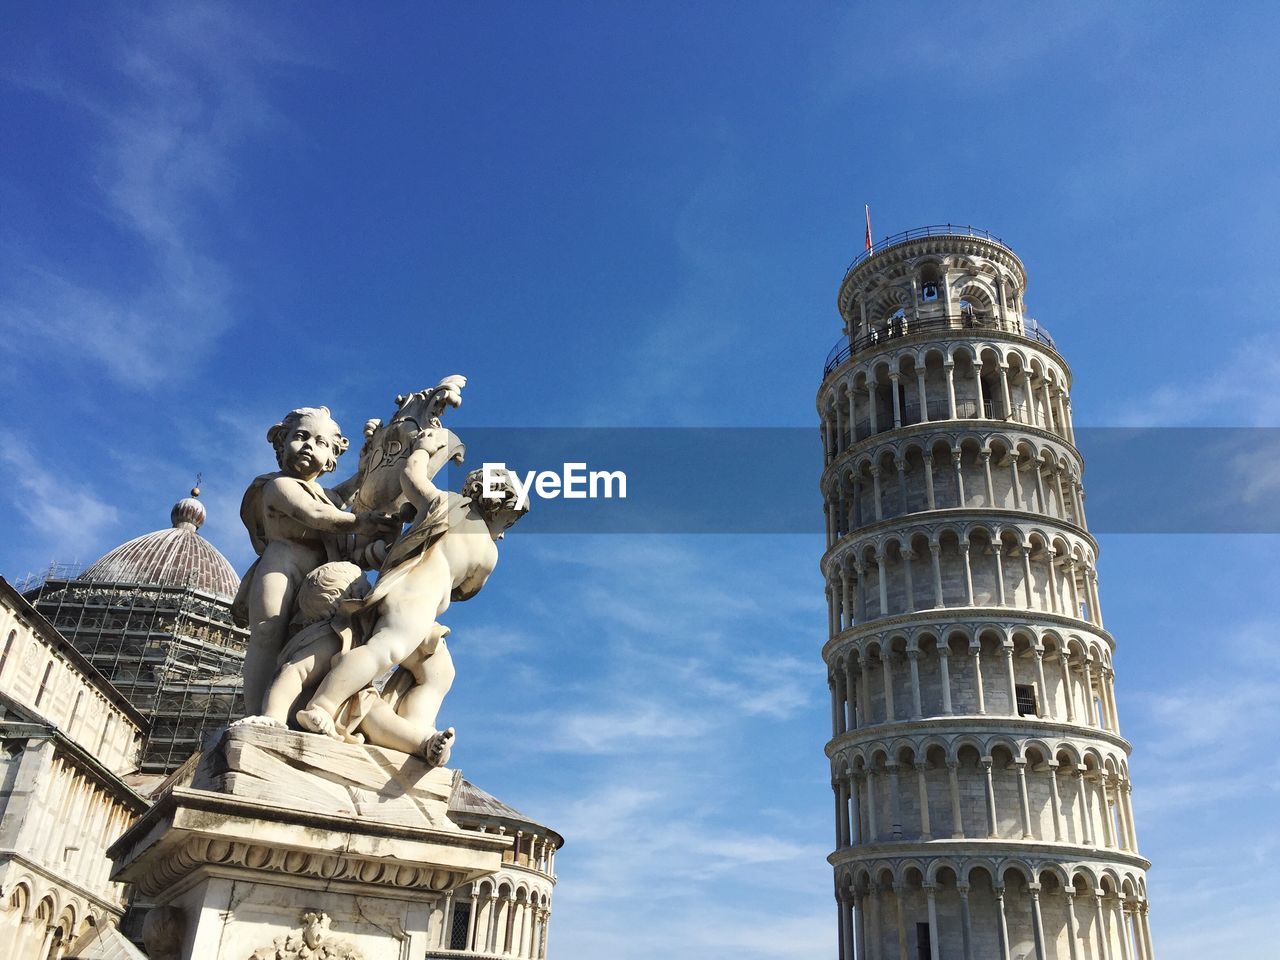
<point x="637" y="215"/>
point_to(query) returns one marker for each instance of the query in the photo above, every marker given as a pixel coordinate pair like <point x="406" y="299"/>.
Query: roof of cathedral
<point x="175" y="557"/>
<point x="470" y="801"/>
<point x="104" y="942"/>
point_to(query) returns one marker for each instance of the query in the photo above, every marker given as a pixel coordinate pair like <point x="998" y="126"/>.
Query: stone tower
<point x="981" y="781"/>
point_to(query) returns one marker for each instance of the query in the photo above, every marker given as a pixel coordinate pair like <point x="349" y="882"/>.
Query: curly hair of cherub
<point x="504" y="495"/>
<point x="277" y="435"/>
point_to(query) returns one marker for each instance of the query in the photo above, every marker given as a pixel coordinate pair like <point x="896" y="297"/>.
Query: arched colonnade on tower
<point x="955" y="470"/>
<point x="942" y="381"/>
<point x="992" y="908"/>
<point x="973" y="670"/>
<point x="948" y="564"/>
<point x="977" y="786"/>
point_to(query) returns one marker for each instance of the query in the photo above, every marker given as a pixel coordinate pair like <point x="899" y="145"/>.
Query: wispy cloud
<point x="163" y="160"/>
<point x="68" y="516"/>
<point x="676" y="664"/>
<point x="1243" y="390"/>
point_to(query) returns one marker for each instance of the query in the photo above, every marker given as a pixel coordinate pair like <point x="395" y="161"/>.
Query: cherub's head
<point x="324" y="588"/>
<point x="308" y="442"/>
<point x="503" y="508"/>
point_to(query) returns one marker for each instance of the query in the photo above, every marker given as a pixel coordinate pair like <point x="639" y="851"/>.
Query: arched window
<point x="929" y="282"/>
<point x="8" y="648"/>
<point x="44" y="683"/>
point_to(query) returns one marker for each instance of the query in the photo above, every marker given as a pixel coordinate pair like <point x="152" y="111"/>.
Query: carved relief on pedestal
<point x="313" y="942"/>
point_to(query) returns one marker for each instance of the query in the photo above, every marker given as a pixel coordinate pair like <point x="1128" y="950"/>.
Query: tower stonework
<point x="981" y="781"/>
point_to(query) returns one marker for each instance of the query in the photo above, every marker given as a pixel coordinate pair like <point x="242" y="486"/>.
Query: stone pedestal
<point x="278" y="844"/>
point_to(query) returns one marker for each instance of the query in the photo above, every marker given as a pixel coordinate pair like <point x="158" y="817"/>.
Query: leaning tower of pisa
<point x="981" y="780"/>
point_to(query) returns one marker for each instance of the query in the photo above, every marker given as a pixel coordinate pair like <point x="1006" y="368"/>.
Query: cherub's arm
<point x="428" y="456"/>
<point x="287" y="496"/>
<point x="341" y="493"/>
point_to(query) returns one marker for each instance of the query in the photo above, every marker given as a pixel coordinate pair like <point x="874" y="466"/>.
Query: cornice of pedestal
<point x="277" y="806"/>
<point x="1028" y="728"/>
<point x="193" y="833"/>
<point x="974" y="617"/>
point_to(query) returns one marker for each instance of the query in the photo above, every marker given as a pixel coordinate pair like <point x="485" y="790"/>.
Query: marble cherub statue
<point x="403" y="714"/>
<point x="292" y="522"/>
<point x="448" y="554"/>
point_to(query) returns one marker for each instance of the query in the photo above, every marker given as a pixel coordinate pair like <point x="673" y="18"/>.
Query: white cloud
<point x="1242" y="391"/>
<point x="164" y="149"/>
<point x="65" y="515"/>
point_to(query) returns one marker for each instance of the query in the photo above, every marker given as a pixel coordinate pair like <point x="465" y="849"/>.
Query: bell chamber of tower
<point x="981" y="781"/>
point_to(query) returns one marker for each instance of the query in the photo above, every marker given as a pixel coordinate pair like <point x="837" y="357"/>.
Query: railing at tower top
<point x="903" y="327"/>
<point x="920" y="233"/>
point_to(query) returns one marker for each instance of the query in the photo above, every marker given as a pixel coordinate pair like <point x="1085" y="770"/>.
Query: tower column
<point x="935" y="551"/>
<point x="1073" y="948"/>
<point x="1005" y="953"/>
<point x="935" y="950"/>
<point x="975" y="651"/>
<point x="992" y="822"/>
<point x="957" y="815"/>
<point x="913" y="658"/>
<point x="1069" y="699"/>
<point x="887" y="675"/>
<point x="966" y="921"/>
<point x="944" y="657"/>
<point x="901" y="921"/>
<point x="1037" y="921"/>
<point x="926" y="833"/>
<point x="1024" y="804"/>
<point x="1056" y="800"/>
<point x="855" y="819"/>
<point x="860" y="925"/>
<point x="1102" y="925"/>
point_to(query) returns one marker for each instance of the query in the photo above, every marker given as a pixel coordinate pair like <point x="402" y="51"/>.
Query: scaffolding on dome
<point x="174" y="652"/>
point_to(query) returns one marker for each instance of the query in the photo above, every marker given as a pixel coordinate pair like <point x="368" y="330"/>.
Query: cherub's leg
<point x="399" y="631"/>
<point x="386" y="728"/>
<point x="296" y="676"/>
<point x="270" y="600"/>
<point x="285" y="689"/>
<point x="434" y="675"/>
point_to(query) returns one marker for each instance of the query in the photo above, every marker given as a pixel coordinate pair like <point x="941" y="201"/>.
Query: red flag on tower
<point x="867" y="207"/>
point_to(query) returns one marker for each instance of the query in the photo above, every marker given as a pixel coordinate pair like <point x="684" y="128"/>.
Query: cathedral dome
<point x="176" y="557"/>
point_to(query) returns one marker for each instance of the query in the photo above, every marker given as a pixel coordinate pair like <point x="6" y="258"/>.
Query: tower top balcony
<point x="941" y="277"/>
